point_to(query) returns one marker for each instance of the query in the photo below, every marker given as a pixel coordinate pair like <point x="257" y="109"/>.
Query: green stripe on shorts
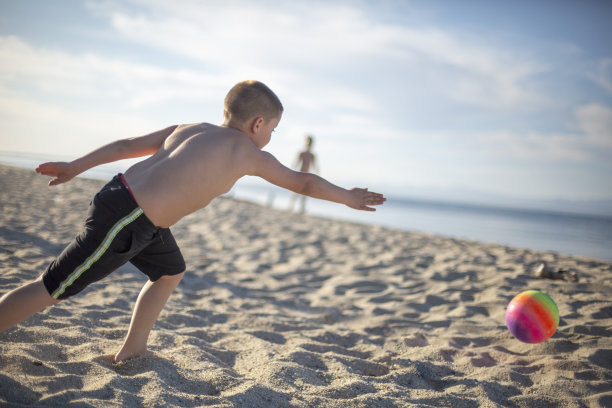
<point x="98" y="252"/>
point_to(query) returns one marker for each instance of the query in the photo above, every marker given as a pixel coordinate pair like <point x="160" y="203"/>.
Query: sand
<point x="283" y="310"/>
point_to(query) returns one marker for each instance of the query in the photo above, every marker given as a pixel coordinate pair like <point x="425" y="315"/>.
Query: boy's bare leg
<point x="291" y="202"/>
<point x="303" y="204"/>
<point x="23" y="302"/>
<point x="149" y="304"/>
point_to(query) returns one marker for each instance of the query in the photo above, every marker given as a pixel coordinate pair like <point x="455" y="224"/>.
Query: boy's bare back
<point x="195" y="164"/>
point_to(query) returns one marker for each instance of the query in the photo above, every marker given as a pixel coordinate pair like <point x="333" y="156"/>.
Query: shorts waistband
<point x="126" y="200"/>
<point x="124" y="181"/>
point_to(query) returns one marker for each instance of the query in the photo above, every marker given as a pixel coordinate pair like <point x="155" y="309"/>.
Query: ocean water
<point x="563" y="232"/>
<point x="566" y="233"/>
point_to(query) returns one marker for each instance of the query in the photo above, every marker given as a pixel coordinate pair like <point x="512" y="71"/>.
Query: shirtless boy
<point x="128" y="220"/>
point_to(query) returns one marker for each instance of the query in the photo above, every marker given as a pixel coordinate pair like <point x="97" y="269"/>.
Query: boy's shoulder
<point x="219" y="136"/>
<point x="208" y="129"/>
<point x="200" y="127"/>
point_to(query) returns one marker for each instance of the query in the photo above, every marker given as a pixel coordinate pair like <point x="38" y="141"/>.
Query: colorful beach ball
<point x="532" y="316"/>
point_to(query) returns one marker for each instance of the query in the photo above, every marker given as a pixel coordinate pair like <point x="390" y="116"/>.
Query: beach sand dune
<point x="280" y="310"/>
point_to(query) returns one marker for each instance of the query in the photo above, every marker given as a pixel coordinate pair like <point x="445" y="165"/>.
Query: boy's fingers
<point x="369" y="198"/>
<point x="375" y="198"/>
<point x="373" y="194"/>
<point x="45" y="169"/>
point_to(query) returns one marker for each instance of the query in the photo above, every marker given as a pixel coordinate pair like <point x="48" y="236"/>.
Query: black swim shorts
<point x="116" y="231"/>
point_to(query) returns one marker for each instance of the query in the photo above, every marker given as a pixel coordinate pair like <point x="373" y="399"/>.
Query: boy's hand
<point x="361" y="198"/>
<point x="61" y="171"/>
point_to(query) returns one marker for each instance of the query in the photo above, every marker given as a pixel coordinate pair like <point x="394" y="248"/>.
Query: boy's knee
<point x="40" y="287"/>
<point x="172" y="278"/>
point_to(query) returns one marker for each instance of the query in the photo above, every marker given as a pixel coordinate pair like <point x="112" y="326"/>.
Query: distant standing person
<point x="304" y="162"/>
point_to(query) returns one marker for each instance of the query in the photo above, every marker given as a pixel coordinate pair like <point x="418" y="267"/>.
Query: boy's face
<point x="265" y="132"/>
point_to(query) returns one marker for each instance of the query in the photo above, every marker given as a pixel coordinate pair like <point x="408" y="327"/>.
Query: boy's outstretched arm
<point x="269" y="168"/>
<point x="117" y="150"/>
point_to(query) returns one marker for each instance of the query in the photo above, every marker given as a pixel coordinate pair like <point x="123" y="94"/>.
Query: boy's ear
<point x="256" y="123"/>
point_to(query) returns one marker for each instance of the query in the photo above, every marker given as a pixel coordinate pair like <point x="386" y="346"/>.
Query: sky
<point x="506" y="100"/>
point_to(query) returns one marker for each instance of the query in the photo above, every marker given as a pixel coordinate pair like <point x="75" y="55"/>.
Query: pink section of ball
<point x="532" y="317"/>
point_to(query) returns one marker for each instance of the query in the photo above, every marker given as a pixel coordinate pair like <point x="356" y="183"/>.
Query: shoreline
<point x="566" y="232"/>
<point x="297" y="311"/>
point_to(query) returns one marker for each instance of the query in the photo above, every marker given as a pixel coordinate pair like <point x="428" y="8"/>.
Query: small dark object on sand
<point x="542" y="271"/>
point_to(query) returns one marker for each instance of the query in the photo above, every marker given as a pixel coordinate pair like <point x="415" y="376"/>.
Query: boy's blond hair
<point x="249" y="99"/>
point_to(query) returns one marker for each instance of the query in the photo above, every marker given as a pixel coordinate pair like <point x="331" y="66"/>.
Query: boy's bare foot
<point x="124" y="355"/>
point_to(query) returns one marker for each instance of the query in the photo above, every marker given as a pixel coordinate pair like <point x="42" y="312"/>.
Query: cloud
<point x="596" y="122"/>
<point x="530" y="147"/>
<point x="35" y="126"/>
<point x="602" y="74"/>
<point x="481" y="74"/>
<point x="49" y="99"/>
<point x="420" y="102"/>
<point x="25" y="68"/>
<point x="328" y="39"/>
